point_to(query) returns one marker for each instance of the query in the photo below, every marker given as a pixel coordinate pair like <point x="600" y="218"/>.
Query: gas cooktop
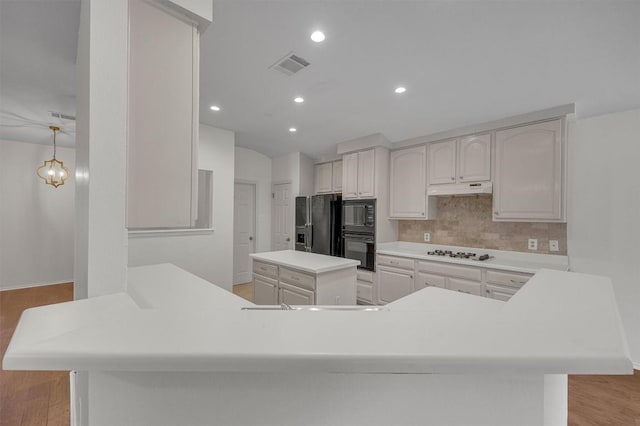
<point x="459" y="255"/>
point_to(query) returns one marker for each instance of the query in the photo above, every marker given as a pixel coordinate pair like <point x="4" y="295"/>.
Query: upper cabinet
<point x="328" y="177"/>
<point x="408" y="192"/>
<point x="358" y="175"/>
<point x="460" y="160"/>
<point x="529" y="173"/>
<point x="474" y="159"/>
<point x="163" y="119"/>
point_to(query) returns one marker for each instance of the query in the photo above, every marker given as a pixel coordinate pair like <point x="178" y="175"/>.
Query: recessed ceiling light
<point x="293" y="129"/>
<point x="400" y="89"/>
<point x="214" y="108"/>
<point x="298" y="100"/>
<point x="317" y="36"/>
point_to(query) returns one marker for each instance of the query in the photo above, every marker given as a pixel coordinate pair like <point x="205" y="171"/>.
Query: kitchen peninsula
<point x="300" y="278"/>
<point x="175" y="349"/>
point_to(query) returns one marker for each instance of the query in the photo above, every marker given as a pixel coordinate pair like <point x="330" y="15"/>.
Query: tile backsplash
<point x="467" y="222"/>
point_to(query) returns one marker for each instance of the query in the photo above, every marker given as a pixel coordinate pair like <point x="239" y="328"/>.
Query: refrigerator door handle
<point x="309" y="238"/>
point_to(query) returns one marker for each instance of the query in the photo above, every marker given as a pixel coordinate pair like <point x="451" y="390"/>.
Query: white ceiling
<point x="463" y="62"/>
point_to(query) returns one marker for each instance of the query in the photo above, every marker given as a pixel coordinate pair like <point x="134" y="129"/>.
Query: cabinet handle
<point x="461" y="177"/>
<point x="496" y="213"/>
<point x="411" y="276"/>
<point x="488" y="291"/>
<point x="517" y="282"/>
<point x="452" y="178"/>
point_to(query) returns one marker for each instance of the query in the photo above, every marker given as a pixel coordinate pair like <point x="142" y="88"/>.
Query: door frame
<point x="256" y="230"/>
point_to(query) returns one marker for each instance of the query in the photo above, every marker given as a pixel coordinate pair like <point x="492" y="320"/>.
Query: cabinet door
<point x="408" y="183"/>
<point x="366" y="173"/>
<point x="292" y="295"/>
<point x="393" y="284"/>
<point x="465" y="286"/>
<point x="528" y="181"/>
<point x="265" y="290"/>
<point x="442" y="162"/>
<point x="424" y="280"/>
<point x="499" y="292"/>
<point x="337" y="176"/>
<point x="474" y="158"/>
<point x="364" y="291"/>
<point x="350" y="175"/>
<point x="324" y="178"/>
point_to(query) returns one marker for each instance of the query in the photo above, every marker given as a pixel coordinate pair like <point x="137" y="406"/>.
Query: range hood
<point x="475" y="188"/>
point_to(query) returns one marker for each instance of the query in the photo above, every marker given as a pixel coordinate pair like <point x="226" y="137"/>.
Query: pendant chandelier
<point x="53" y="171"/>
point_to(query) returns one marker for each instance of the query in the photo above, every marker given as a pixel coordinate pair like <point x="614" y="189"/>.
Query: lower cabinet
<point x="393" y="284"/>
<point x="424" y="280"/>
<point x="501" y="285"/>
<point x="265" y="290"/>
<point x="465" y="286"/>
<point x="365" y="286"/>
<point x="292" y="295"/>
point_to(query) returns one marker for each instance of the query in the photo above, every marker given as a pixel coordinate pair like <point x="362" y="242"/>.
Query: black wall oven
<point x="360" y="247"/>
<point x="359" y="232"/>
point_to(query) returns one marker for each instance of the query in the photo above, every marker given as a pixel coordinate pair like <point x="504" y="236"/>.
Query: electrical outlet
<point x="553" y="245"/>
<point x="533" y="244"/>
<point x="427" y="237"/>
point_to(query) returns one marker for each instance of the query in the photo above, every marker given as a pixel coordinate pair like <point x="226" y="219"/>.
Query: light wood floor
<point x="42" y="398"/>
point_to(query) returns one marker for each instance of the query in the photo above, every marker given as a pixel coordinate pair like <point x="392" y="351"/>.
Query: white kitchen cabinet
<point x="465" y="286"/>
<point x="424" y="280"/>
<point x="529" y="173"/>
<point x="395" y="277"/>
<point x="337" y="176"/>
<point x="350" y="175"/>
<point x="393" y="284"/>
<point x="358" y="178"/>
<point x="463" y="160"/>
<point x="442" y="162"/>
<point x="366" y="174"/>
<point x="501" y="285"/>
<point x="408" y="185"/>
<point x="324" y="178"/>
<point x="474" y="159"/>
<point x="365" y="287"/>
<point x="292" y="295"/>
<point x="265" y="290"/>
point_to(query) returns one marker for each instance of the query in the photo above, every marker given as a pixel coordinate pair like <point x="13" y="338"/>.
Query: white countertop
<point x="308" y="262"/>
<point x="504" y="260"/>
<point x="170" y="320"/>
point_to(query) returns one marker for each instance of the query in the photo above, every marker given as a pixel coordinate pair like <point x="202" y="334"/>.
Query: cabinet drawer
<point x="396" y="262"/>
<point x="364" y="291"/>
<point x="265" y="269"/>
<point x="466" y="272"/>
<point x="511" y="279"/>
<point x="297" y="278"/>
<point x="498" y="292"/>
<point x="464" y="286"/>
<point x="365" y="276"/>
<point x="424" y="280"/>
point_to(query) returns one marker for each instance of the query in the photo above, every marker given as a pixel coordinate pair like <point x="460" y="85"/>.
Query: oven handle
<point x="364" y="238"/>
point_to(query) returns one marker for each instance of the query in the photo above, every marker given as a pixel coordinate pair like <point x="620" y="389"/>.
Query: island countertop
<point x="170" y="320"/>
<point x="304" y="261"/>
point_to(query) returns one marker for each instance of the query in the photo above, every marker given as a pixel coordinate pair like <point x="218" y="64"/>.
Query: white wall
<point x="210" y="255"/>
<point x="36" y="220"/>
<point x="307" y="175"/>
<point x="253" y="167"/>
<point x="604" y="209"/>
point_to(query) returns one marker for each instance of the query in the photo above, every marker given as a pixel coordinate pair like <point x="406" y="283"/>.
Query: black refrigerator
<point x="318" y="224"/>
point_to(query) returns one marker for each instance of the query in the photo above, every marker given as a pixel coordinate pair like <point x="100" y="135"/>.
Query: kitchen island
<point x="175" y="349"/>
<point x="301" y="278"/>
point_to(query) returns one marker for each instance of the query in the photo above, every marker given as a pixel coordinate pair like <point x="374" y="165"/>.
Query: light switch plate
<point x="553" y="245"/>
<point x="427" y="237"/>
<point x="533" y="244"/>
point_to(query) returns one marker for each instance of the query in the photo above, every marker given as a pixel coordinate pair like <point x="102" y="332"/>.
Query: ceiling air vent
<point x="290" y="64"/>
<point x="61" y="115"/>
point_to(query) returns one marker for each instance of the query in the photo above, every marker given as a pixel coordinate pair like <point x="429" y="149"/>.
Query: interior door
<point x="282" y="222"/>
<point x="244" y="223"/>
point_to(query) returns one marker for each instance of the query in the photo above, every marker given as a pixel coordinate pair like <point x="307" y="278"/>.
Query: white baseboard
<point x="21" y="286"/>
<point x="636" y="366"/>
